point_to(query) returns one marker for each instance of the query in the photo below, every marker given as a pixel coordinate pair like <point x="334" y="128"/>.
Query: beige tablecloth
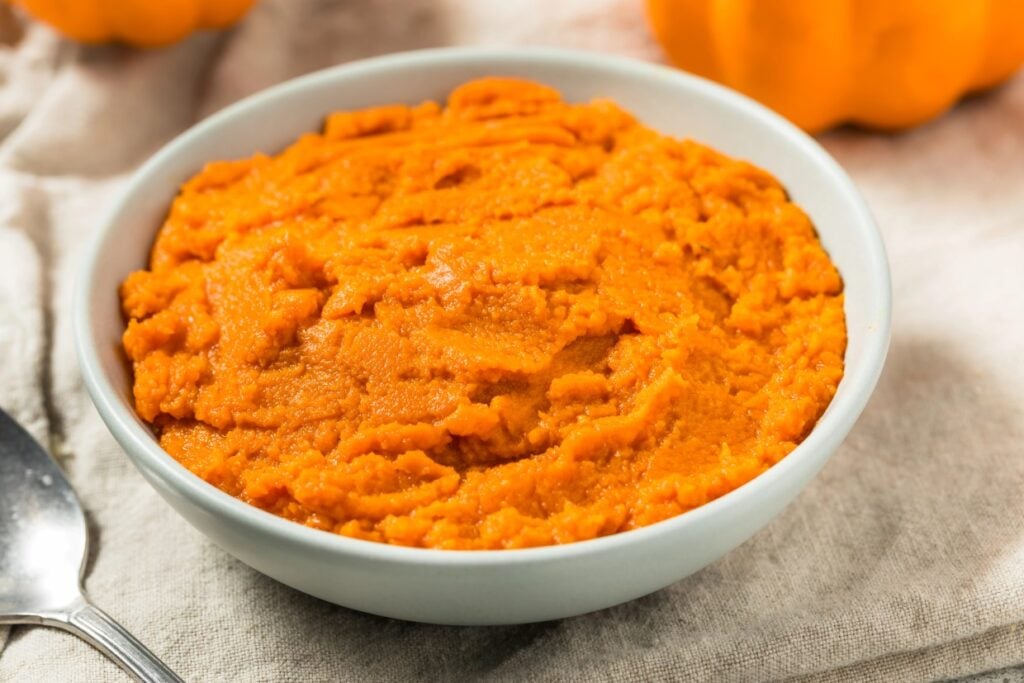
<point x="903" y="561"/>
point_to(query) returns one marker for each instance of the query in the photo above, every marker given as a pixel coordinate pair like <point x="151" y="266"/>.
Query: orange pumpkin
<point x="144" y="23"/>
<point x="879" y="63"/>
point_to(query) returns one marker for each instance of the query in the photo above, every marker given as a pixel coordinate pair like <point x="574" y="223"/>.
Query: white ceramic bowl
<point x="487" y="587"/>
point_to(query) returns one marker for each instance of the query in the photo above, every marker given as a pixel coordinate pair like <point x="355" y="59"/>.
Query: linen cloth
<point x="902" y="561"/>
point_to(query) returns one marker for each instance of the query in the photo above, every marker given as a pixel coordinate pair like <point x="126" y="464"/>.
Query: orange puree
<point x="507" y="322"/>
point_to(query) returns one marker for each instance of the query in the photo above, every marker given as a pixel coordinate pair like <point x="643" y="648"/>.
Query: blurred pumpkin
<point x="879" y="63"/>
<point x="144" y="23"/>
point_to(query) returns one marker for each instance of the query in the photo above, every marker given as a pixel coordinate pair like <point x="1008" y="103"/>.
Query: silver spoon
<point x="43" y="539"/>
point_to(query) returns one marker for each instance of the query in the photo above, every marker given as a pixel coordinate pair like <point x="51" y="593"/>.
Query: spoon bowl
<point x="42" y="530"/>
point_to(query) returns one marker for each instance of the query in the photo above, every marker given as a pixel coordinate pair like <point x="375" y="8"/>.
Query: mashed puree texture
<point x="506" y="322"/>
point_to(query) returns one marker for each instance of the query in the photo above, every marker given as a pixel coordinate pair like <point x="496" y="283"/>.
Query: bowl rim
<point x="842" y="412"/>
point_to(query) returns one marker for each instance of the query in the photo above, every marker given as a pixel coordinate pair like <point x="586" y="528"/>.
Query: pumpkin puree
<point x="508" y="322"/>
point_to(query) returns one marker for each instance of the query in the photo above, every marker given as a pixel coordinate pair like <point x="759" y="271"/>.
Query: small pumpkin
<point x="143" y="23"/>
<point x="877" y="63"/>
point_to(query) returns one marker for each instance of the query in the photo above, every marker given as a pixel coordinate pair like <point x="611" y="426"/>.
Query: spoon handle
<point x="95" y="626"/>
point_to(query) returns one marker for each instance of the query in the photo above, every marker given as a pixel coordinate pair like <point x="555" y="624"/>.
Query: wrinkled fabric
<point x="901" y="561"/>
